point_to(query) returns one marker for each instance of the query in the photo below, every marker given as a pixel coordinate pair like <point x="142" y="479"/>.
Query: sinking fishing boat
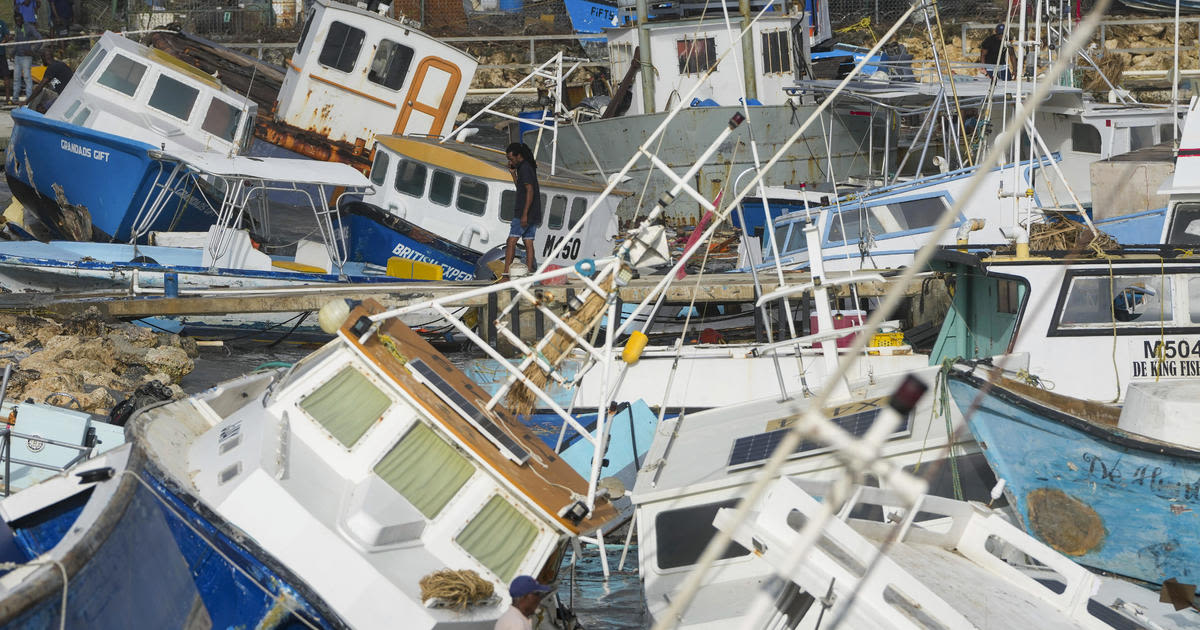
<point x="1113" y="488"/>
<point x="376" y="450"/>
<point x="84" y="167"/>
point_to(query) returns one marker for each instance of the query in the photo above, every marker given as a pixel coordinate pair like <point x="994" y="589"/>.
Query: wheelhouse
<point x="145" y="94"/>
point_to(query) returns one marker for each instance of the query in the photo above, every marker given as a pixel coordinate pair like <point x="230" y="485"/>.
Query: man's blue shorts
<point x="515" y="229"/>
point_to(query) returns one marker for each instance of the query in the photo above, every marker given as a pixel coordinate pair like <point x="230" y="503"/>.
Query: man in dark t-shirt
<point x="527" y="213"/>
<point x="54" y="79"/>
<point x="993" y="53"/>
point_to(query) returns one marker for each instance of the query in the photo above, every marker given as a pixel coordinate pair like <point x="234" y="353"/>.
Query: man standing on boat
<point x="993" y="53"/>
<point x="526" y="594"/>
<point x="528" y="211"/>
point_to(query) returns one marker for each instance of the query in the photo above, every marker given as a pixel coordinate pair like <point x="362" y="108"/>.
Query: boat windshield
<point x="222" y="120"/>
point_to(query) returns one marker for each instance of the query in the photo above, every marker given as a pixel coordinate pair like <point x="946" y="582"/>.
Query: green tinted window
<point x="425" y="469"/>
<point x="346" y="405"/>
<point x="498" y="537"/>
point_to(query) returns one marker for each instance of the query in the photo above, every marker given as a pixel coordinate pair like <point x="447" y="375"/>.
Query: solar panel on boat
<point x="469" y="410"/>
<point x="756" y="448"/>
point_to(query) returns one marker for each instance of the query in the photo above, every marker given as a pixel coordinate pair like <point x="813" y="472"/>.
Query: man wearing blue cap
<point x="526" y="594"/>
<point x="993" y="53"/>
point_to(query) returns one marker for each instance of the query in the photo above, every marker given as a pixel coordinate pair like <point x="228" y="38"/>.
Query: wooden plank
<point x="727" y="287"/>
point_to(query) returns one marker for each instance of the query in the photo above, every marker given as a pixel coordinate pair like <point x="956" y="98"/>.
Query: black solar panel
<point x="756" y="448"/>
<point x="470" y="411"/>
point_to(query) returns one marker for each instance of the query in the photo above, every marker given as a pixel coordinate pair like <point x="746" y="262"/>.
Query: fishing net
<point x="456" y="589"/>
<point x="1058" y="233"/>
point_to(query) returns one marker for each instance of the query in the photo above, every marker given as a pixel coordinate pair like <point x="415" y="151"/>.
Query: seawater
<point x="616" y="603"/>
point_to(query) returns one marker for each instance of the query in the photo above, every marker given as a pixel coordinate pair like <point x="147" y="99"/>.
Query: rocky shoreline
<point x="87" y="363"/>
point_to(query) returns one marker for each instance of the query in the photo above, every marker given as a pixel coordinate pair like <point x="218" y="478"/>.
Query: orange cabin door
<point x="432" y="108"/>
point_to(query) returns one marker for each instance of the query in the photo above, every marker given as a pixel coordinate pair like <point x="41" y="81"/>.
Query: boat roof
<point x="545" y="479"/>
<point x="709" y="437"/>
<point x="269" y="169"/>
<point x="116" y="40"/>
<point x="411" y="26"/>
<point x="484" y="162"/>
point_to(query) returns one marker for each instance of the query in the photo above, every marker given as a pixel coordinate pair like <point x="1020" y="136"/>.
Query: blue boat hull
<point x="151" y="560"/>
<point x="1110" y="500"/>
<point x="373" y="236"/>
<point x="90" y="185"/>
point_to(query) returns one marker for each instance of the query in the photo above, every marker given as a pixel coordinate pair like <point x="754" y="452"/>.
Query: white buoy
<point x="333" y="315"/>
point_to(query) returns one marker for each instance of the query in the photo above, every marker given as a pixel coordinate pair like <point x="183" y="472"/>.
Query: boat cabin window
<point x="681" y="535"/>
<point x="620" y="56"/>
<point x="410" y="178"/>
<point x="426" y="469"/>
<point x="696" y="54"/>
<point x="1085" y="138"/>
<point x="508" y="204"/>
<point x="498" y="537"/>
<point x="1122" y="299"/>
<point x="123" y="75"/>
<point x="796" y="241"/>
<point x="308" y="20"/>
<point x="72" y="109"/>
<point x="578" y="207"/>
<point x="847" y="225"/>
<point x="390" y="65"/>
<point x="346" y="405"/>
<point x="1185" y="224"/>
<point x="472" y="196"/>
<point x="1166" y="132"/>
<point x="222" y="119"/>
<point x="916" y="214"/>
<point x="441" y="188"/>
<point x="82" y="116"/>
<point x="379" y="168"/>
<point x="90" y="63"/>
<point x="1140" y="137"/>
<point x="173" y="97"/>
<point x="341" y="47"/>
<point x="558" y="211"/>
<point x="776" y="52"/>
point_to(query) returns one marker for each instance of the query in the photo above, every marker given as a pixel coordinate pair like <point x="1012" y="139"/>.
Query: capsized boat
<point x="1114" y="488"/>
<point x="375" y="451"/>
<point x="84" y="168"/>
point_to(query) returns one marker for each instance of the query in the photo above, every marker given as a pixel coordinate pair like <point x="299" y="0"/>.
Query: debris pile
<point x="87" y="360"/>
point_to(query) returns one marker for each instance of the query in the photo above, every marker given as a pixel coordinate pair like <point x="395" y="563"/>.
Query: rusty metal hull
<point x="1107" y="498"/>
<point x="614" y="140"/>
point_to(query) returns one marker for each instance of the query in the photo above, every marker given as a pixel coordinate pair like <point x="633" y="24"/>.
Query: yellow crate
<point x="413" y="269"/>
<point x="888" y="339"/>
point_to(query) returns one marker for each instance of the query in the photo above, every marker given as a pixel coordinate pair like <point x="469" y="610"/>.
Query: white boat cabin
<point x="356" y="74"/>
<point x="1089" y="326"/>
<point x="379" y="456"/>
<point x="681" y="51"/>
<point x="464" y="193"/>
<point x="130" y="90"/>
<point x="884" y="228"/>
